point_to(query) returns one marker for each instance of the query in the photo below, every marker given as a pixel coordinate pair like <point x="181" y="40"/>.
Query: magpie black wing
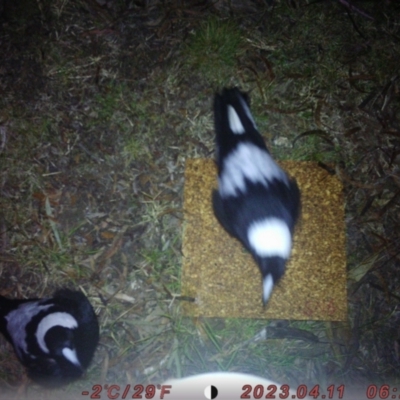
<point x="295" y="204"/>
<point x="220" y="214"/>
<point x="6" y="306"/>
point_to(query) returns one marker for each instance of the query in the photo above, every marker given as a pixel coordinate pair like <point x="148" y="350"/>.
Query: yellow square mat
<point x="224" y="279"/>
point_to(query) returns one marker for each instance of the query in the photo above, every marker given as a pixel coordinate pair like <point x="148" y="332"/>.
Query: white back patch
<point x="70" y="355"/>
<point x="234" y="121"/>
<point x="250" y="162"/>
<point x="268" y="284"/>
<point x="49" y="321"/>
<point x="270" y="237"/>
<point x="17" y="321"/>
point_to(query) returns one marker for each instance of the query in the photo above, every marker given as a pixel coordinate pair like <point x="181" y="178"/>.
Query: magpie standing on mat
<point x="54" y="338"/>
<point x="256" y="201"/>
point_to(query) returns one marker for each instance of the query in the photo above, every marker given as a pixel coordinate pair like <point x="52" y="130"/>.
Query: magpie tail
<point x="6" y="305"/>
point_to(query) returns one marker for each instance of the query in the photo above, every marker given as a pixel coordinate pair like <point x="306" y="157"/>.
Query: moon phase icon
<point x="211" y="392"/>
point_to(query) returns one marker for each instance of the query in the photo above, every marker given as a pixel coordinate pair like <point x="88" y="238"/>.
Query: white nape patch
<point x="17" y="321"/>
<point x="250" y="162"/>
<point x="270" y="237"/>
<point x="71" y="355"/>
<point x="49" y="321"/>
<point x="268" y="284"/>
<point x="234" y="121"/>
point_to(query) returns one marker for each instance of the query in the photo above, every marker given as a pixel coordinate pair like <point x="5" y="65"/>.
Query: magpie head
<point x="60" y="364"/>
<point x="59" y="360"/>
<point x="272" y="269"/>
<point x="60" y="342"/>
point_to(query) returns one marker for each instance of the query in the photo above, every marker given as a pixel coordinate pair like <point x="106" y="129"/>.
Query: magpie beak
<point x="256" y="201"/>
<point x="70" y="355"/>
<point x="272" y="269"/>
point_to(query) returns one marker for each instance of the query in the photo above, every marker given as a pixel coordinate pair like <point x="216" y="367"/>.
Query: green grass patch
<point x="213" y="49"/>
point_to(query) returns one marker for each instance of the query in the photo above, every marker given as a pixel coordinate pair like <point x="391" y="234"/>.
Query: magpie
<point x="54" y="338"/>
<point x="256" y="202"/>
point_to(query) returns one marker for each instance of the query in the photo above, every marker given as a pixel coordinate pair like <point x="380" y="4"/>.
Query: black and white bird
<point x="54" y="338"/>
<point x="256" y="201"/>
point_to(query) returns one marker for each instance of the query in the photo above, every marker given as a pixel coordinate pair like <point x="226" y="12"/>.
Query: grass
<point x="213" y="49"/>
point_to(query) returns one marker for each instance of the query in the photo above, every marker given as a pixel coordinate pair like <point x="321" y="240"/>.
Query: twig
<point x="3" y="138"/>
<point x="351" y="7"/>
